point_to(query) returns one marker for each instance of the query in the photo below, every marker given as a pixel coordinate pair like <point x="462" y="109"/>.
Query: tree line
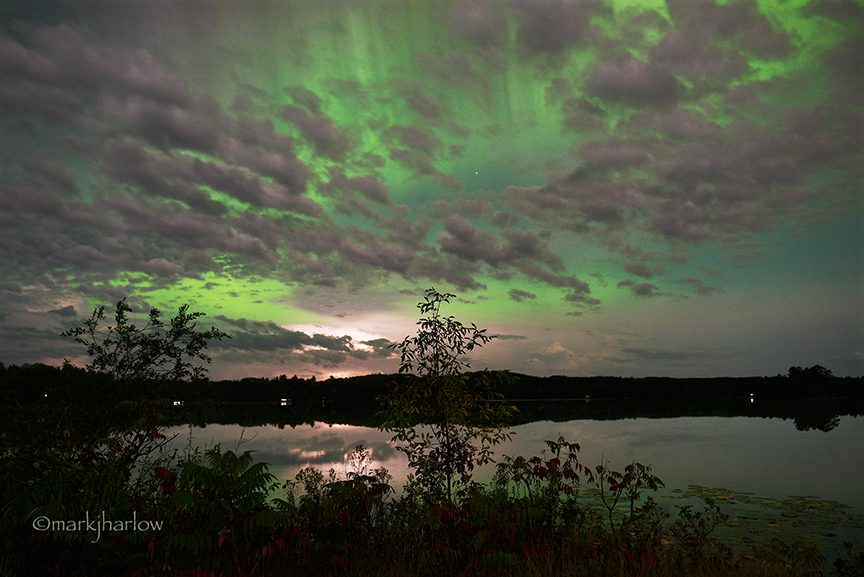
<point x="40" y="383"/>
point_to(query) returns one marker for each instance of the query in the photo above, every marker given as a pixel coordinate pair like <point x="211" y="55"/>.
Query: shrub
<point x="464" y="415"/>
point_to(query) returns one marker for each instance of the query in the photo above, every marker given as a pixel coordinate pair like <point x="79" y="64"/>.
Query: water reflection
<point x="763" y="456"/>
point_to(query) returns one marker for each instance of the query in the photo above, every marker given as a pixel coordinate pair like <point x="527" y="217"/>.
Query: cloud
<point x="325" y="137"/>
<point x="552" y="357"/>
<point x="369" y="186"/>
<point x="67" y="311"/>
<point x="643" y="289"/>
<point x="612" y="155"/>
<point x="511" y="337"/>
<point x="553" y="26"/>
<point x="698" y="286"/>
<point x="738" y="22"/>
<point x="421" y="163"/>
<point x="674" y="356"/>
<point x="414" y="137"/>
<point x="639" y="269"/>
<point x="632" y="80"/>
<point x="520" y="295"/>
<point x="688" y="54"/>
<point x="479" y="23"/>
<point x="462" y="238"/>
<point x="257" y="340"/>
<point x="426" y="106"/>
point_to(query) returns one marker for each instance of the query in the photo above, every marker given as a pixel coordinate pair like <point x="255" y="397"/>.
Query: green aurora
<point x="628" y="187"/>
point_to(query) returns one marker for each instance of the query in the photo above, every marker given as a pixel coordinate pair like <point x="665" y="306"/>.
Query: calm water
<point x="764" y="456"/>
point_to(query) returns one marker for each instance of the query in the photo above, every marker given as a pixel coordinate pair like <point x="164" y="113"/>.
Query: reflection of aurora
<point x="740" y="454"/>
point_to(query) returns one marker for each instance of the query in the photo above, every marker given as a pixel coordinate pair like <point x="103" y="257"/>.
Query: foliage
<point x="93" y="447"/>
<point x="153" y="352"/>
<point x="441" y="343"/>
<point x="135" y="358"/>
<point x="794" y="558"/>
<point x="548" y="484"/>
<point x="339" y="521"/>
<point x="464" y="416"/>
<point x="219" y="518"/>
<point x="222" y="514"/>
<point x="628" y="485"/>
<point x="851" y="563"/>
<point x="816" y="372"/>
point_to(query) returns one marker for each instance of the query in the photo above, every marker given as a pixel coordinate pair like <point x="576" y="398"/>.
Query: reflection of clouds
<point x="666" y="439"/>
<point x="299" y="457"/>
<point x="288" y="450"/>
<point x="741" y="454"/>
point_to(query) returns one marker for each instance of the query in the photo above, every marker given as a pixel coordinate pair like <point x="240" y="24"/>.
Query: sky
<point x="610" y="187"/>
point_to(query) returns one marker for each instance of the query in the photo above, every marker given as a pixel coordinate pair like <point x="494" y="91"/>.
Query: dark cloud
<point x="257" y="341"/>
<point x="632" y="80"/>
<point x="426" y="106"/>
<point x="843" y="11"/>
<point x="699" y="286"/>
<point x="462" y="238"/>
<point x="739" y="22"/>
<point x="260" y="147"/>
<point x="70" y="57"/>
<point x="511" y="337"/>
<point x="157" y="174"/>
<point x="268" y="336"/>
<point x="414" y="137"/>
<point x="325" y="137"/>
<point x="165" y="125"/>
<point x="305" y="98"/>
<point x="522" y="249"/>
<point x="659" y="354"/>
<point x="687" y="53"/>
<point x="639" y="269"/>
<point x="479" y="22"/>
<point x="520" y="295"/>
<point x="612" y="155"/>
<point x="422" y="164"/>
<point x="67" y="311"/>
<point x="553" y="26"/>
<point x="369" y="186"/>
<point x="642" y="289"/>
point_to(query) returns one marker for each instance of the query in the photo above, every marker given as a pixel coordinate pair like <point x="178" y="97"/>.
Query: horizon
<point x="470" y="371"/>
<point x="610" y="187"/>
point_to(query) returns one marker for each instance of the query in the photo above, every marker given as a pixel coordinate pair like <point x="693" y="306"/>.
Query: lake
<point x="764" y="471"/>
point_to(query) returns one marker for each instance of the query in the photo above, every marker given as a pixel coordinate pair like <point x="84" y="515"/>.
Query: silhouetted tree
<point x="464" y="422"/>
<point x="154" y="352"/>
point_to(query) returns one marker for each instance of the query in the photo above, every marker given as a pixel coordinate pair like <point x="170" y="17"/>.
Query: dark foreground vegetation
<point x="88" y="489"/>
<point x="223" y="514"/>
